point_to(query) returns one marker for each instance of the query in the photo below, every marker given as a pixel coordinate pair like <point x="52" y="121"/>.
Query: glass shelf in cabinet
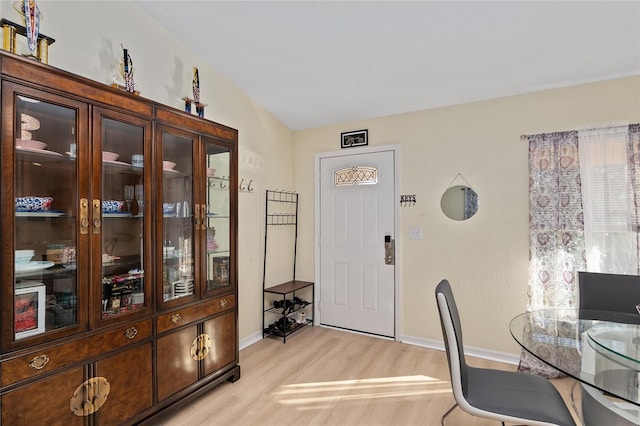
<point x="120" y="215"/>
<point x="217" y="251"/>
<point x="40" y="154"/>
<point x="48" y="213"/>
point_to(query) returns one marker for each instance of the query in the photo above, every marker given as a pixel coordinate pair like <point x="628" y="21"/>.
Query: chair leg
<point x="447" y="413"/>
<point x="573" y="401"/>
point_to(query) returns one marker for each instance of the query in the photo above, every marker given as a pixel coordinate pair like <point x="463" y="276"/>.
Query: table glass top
<point x="620" y="342"/>
<point x="598" y="348"/>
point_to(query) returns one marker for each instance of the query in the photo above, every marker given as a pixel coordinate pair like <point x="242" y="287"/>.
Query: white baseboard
<point x="250" y="340"/>
<point x="425" y="343"/>
<point x="507" y="358"/>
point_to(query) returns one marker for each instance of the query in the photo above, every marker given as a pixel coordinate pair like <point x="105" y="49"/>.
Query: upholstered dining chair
<point x="506" y="396"/>
<point x="609" y="292"/>
<point x="598" y="294"/>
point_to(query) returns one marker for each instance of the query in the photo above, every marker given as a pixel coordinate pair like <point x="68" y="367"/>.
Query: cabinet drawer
<point x="50" y="359"/>
<point x="191" y="314"/>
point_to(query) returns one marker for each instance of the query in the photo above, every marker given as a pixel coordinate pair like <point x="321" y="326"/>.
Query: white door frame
<point x="396" y="227"/>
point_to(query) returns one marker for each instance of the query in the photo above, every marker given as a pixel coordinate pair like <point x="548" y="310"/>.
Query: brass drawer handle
<point x="38" y="362"/>
<point x="131" y="332"/>
<point x="223" y="303"/>
<point x="175" y="318"/>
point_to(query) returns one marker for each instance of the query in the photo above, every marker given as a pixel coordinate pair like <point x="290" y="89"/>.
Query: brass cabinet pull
<point x="223" y="303"/>
<point x="89" y="396"/>
<point x="38" y="362"/>
<point x="131" y="332"/>
<point x="204" y="216"/>
<point x="200" y="347"/>
<point x="175" y="318"/>
<point x="84" y="216"/>
<point x="97" y="210"/>
<point x="196" y="214"/>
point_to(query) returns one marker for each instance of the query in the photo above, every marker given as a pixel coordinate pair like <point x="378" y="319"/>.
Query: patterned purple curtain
<point x="556" y="228"/>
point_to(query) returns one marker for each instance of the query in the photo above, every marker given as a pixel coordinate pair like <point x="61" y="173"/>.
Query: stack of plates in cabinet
<point x="182" y="288"/>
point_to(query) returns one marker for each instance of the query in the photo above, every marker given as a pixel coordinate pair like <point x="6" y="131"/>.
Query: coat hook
<point x="249" y="188"/>
<point x="242" y="188"/>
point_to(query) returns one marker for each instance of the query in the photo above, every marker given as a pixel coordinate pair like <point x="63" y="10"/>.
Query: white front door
<point x="357" y="208"/>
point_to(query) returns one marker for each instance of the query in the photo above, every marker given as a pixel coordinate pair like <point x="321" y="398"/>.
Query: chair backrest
<point x="452" y="333"/>
<point x="609" y="292"/>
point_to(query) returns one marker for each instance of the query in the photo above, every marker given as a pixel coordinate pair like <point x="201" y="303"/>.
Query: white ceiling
<point x="313" y="63"/>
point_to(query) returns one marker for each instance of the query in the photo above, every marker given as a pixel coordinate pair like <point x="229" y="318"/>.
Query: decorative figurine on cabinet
<point x="123" y="78"/>
<point x="37" y="43"/>
<point x="195" y="85"/>
<point x="32" y="23"/>
<point x="127" y="71"/>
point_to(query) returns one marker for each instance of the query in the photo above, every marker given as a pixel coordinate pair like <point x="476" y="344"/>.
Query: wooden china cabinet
<point x="119" y="275"/>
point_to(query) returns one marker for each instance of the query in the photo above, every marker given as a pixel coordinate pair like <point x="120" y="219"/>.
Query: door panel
<point x="176" y="367"/>
<point x="42" y="188"/>
<point x="217" y="218"/>
<point x="129" y="374"/>
<point x="222" y="331"/>
<point x="177" y="231"/>
<point x="357" y="288"/>
<point x="119" y="243"/>
<point x="45" y="402"/>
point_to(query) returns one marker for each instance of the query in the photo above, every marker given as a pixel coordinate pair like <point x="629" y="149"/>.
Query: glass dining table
<point x="600" y="349"/>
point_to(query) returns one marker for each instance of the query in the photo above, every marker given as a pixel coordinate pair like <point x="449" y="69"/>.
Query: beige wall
<point x="485" y="258"/>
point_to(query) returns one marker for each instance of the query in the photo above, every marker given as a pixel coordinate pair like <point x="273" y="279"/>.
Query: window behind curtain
<point x="609" y="194"/>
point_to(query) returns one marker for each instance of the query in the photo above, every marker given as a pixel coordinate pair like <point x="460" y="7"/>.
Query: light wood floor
<point x="327" y="377"/>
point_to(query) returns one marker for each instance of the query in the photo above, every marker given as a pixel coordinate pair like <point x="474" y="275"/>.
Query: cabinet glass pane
<point x="46" y="286"/>
<point x="122" y="218"/>
<point x="218" y="219"/>
<point x="177" y="204"/>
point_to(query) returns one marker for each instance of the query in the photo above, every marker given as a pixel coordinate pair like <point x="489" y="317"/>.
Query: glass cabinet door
<point x="218" y="217"/>
<point x="177" y="216"/>
<point x="47" y="288"/>
<point x="122" y="209"/>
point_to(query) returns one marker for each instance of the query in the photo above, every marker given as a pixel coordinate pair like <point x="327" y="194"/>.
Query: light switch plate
<point x="415" y="233"/>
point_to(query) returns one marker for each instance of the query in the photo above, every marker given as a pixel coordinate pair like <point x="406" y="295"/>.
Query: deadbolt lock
<point x="389" y="250"/>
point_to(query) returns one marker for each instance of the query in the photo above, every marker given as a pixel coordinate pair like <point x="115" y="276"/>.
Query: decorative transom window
<point x="356" y="176"/>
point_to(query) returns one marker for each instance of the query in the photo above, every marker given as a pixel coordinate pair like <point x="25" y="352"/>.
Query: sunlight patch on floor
<point x="310" y="395"/>
<point x="398" y="379"/>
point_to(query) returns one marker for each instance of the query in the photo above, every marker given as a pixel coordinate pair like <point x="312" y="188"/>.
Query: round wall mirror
<point x="459" y="202"/>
